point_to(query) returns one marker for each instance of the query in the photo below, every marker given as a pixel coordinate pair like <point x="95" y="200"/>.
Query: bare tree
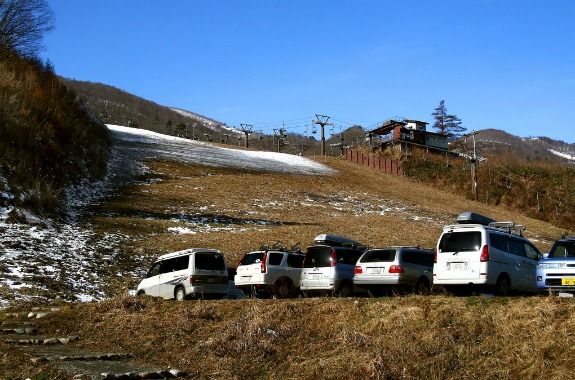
<point x="23" y="24"/>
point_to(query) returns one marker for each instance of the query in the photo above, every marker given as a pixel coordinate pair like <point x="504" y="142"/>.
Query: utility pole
<point x="246" y="129"/>
<point x="474" y="168"/>
<point x="322" y="121"/>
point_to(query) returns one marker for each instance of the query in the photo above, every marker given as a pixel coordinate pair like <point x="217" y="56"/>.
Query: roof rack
<point x="509" y="227"/>
<point x="337" y="241"/>
<point x="468" y="217"/>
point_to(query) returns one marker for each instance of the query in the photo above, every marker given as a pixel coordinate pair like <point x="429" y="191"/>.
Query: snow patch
<point x="563" y="155"/>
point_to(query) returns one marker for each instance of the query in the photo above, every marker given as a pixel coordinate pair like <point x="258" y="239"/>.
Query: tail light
<point x="396" y="269"/>
<point x="193" y="280"/>
<point x="435" y="255"/>
<point x="332" y="258"/>
<point x="357" y="270"/>
<point x="484" y="254"/>
<point x="263" y="262"/>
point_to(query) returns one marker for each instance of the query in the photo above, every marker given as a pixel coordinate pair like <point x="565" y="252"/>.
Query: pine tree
<point x="439" y="114"/>
<point x="447" y="124"/>
<point x="453" y="127"/>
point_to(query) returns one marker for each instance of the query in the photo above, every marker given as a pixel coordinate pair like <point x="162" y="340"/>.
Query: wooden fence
<point x="386" y="165"/>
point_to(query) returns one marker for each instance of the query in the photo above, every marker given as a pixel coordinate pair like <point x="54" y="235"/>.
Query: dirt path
<point x="24" y="332"/>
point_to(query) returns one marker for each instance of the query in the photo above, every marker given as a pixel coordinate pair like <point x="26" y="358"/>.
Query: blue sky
<point x="506" y="64"/>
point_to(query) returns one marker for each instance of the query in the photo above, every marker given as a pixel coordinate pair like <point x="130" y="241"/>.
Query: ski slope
<point x="141" y="144"/>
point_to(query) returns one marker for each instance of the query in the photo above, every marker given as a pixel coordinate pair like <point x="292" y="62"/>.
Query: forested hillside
<point x="115" y="106"/>
<point x="541" y="190"/>
<point x="47" y="139"/>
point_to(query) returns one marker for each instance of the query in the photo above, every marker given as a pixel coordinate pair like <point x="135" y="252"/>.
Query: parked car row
<point x="476" y="253"/>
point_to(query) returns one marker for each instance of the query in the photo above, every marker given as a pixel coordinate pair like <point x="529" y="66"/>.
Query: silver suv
<point x="263" y="274"/>
<point x="394" y="270"/>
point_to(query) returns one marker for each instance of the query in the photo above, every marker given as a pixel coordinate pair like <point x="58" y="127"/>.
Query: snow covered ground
<point x="144" y="144"/>
<point x="51" y="259"/>
<point x="570" y="157"/>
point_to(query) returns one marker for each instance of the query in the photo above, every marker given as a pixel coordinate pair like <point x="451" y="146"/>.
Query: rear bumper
<point x="316" y="287"/>
<point x="204" y="289"/>
<point x="460" y="281"/>
<point x="392" y="280"/>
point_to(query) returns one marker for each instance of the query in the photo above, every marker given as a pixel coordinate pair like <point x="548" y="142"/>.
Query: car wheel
<point x="283" y="288"/>
<point x="180" y="294"/>
<point x="423" y="287"/>
<point x="345" y="290"/>
<point x="140" y="293"/>
<point x="503" y="286"/>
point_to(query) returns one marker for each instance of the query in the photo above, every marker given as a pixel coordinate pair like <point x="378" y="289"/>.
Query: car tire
<point x="345" y="290"/>
<point x="283" y="288"/>
<point x="423" y="287"/>
<point x="140" y="293"/>
<point x="503" y="286"/>
<point x="180" y="294"/>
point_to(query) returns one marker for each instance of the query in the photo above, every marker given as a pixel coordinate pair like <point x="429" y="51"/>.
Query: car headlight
<point x="551" y="265"/>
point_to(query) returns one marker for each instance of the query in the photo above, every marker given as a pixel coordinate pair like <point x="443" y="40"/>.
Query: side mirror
<point x="546" y="255"/>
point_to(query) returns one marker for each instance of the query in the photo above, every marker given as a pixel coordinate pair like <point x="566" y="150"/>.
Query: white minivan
<point x="195" y="273"/>
<point x="328" y="266"/>
<point x="479" y="253"/>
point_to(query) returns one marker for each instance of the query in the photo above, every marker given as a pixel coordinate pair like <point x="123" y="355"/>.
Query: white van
<point x="196" y="273"/>
<point x="479" y="253"/>
<point x="328" y="266"/>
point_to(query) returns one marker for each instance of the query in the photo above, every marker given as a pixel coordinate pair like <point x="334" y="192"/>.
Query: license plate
<point x="315" y="276"/>
<point x="456" y="266"/>
<point x="568" y="281"/>
<point x="374" y="270"/>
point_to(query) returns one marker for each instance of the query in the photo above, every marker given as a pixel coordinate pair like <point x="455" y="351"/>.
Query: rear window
<point x="460" y="241"/>
<point x="317" y="257"/>
<point x="386" y="255"/>
<point x="563" y="250"/>
<point x="210" y="261"/>
<point x="252" y="258"/>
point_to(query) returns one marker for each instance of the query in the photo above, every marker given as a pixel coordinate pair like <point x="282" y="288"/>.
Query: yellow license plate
<point x="568" y="281"/>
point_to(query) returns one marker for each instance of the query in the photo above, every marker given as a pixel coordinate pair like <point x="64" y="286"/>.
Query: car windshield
<point x="460" y="241"/>
<point x="211" y="261"/>
<point x="252" y="258"/>
<point x="563" y="250"/>
<point x="386" y="255"/>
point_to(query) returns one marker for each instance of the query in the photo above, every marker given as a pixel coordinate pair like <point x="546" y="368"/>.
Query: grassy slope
<point x="348" y="203"/>
<point x="402" y="337"/>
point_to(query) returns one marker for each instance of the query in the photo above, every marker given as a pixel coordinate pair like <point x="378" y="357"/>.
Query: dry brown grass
<point x="400" y="337"/>
<point x="435" y="337"/>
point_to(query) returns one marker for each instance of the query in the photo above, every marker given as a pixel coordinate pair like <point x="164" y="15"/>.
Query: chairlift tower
<point x="280" y="135"/>
<point x="246" y="129"/>
<point x="322" y="121"/>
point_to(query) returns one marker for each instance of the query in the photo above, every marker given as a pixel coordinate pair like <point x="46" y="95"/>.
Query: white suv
<point x="196" y="272"/>
<point x="479" y="253"/>
<point x="264" y="274"/>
